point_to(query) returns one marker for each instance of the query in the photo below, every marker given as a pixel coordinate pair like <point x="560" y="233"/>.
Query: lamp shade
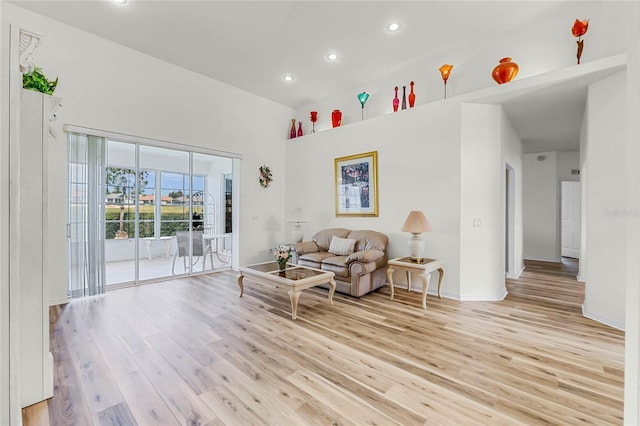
<point x="297" y="216"/>
<point x="416" y="222"/>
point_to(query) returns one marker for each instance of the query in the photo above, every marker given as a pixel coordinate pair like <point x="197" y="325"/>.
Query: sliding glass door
<point x="165" y="212"/>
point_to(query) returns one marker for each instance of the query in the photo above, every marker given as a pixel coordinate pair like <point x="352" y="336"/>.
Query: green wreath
<point x="265" y="178"/>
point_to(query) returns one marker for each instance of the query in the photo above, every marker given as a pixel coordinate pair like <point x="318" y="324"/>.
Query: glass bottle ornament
<point x="300" y="128"/>
<point x="292" y="132"/>
<point x="396" y="101"/>
<point x="404" y="97"/>
<point x="412" y="96"/>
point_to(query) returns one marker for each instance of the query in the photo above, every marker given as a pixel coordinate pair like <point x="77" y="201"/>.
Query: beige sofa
<point x="357" y="273"/>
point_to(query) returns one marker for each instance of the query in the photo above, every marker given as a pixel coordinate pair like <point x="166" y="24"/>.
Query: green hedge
<point x="167" y="227"/>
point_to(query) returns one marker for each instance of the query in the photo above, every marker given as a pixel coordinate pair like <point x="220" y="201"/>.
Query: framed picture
<point x="357" y="185"/>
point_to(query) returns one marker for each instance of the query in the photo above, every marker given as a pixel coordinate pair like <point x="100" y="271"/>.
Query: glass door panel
<point x="120" y="217"/>
<point x="164" y="211"/>
<point x="211" y="200"/>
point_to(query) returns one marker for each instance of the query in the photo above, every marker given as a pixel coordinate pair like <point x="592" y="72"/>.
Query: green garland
<point x="36" y="80"/>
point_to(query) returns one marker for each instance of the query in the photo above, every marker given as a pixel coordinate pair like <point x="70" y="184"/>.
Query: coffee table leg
<point x="390" y="280"/>
<point x="294" y="295"/>
<point x="332" y="290"/>
<point x="240" y="279"/>
<point x="425" y="277"/>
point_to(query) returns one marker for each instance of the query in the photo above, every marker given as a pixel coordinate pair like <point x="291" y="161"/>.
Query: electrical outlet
<point x="477" y="223"/>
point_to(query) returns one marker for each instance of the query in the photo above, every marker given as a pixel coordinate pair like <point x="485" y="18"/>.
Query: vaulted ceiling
<point x="252" y="44"/>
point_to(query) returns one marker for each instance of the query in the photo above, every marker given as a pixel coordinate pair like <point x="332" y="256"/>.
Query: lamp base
<point x="416" y="246"/>
<point x="298" y="235"/>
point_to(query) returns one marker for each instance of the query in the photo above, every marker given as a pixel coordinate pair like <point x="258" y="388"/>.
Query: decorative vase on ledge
<point x="505" y="71"/>
<point x="336" y="118"/>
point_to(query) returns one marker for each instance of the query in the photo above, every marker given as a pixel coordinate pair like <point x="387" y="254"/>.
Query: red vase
<point x="299" y="128"/>
<point x="412" y="96"/>
<point x="292" y="132"/>
<point x="505" y="71"/>
<point x="336" y="118"/>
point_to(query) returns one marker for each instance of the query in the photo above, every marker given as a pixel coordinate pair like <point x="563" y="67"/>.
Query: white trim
<point x="59" y="301"/>
<point x="602" y="320"/>
<point x="485" y="298"/>
<point x="516" y="276"/>
<point x="544" y="260"/>
<point x="147" y="141"/>
<point x="581" y="278"/>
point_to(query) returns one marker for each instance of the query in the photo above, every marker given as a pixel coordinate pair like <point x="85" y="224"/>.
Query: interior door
<point x="570" y="219"/>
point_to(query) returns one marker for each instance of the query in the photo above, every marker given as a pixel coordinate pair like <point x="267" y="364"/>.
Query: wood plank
<point x="203" y="355"/>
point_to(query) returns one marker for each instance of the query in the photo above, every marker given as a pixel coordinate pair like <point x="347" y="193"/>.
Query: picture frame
<point x="356" y="184"/>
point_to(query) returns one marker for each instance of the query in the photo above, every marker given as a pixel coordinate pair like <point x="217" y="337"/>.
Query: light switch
<point x="477" y="223"/>
<point x="255" y="217"/>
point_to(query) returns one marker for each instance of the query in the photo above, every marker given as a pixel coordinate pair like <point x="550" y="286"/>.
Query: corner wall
<point x="607" y="213"/>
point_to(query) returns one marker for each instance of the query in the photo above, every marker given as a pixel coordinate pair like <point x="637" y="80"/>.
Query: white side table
<point x="423" y="267"/>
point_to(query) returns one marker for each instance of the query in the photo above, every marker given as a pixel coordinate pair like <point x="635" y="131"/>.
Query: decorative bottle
<point x="404" y="97"/>
<point x="336" y="118"/>
<point x="300" y="128"/>
<point x="292" y="133"/>
<point x="396" y="101"/>
<point x="412" y="96"/>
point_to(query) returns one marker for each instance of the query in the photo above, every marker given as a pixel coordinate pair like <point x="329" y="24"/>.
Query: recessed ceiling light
<point x="332" y="56"/>
<point x="288" y="78"/>
<point x="119" y="1"/>
<point x="393" y="27"/>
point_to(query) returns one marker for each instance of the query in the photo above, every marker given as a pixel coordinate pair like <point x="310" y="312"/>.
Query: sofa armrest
<point x="305" y="247"/>
<point x="365" y="256"/>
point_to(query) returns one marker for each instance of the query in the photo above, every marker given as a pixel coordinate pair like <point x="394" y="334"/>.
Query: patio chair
<point x="199" y="250"/>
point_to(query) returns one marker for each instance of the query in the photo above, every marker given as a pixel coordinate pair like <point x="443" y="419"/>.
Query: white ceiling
<point x="252" y="44"/>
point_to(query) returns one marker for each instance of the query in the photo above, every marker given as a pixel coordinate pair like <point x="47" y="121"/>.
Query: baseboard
<point x="602" y="320"/>
<point x="582" y="278"/>
<point x="516" y="276"/>
<point x="544" y="260"/>
<point x="498" y="297"/>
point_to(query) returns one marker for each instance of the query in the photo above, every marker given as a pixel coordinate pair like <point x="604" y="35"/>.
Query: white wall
<point x="482" y="222"/>
<point x="607" y="214"/>
<point x="419" y="168"/>
<point x="4" y="234"/>
<point x="106" y="86"/>
<point x="540" y="207"/>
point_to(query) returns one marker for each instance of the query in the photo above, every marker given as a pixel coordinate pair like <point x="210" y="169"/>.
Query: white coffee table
<point x="423" y="267"/>
<point x="295" y="277"/>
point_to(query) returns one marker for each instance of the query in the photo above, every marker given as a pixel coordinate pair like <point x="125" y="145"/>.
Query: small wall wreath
<point x="265" y="178"/>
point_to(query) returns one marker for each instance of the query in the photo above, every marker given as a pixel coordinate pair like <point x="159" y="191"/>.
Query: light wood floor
<point x="190" y="351"/>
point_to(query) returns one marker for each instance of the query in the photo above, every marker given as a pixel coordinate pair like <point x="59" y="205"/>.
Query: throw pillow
<point x="342" y="246"/>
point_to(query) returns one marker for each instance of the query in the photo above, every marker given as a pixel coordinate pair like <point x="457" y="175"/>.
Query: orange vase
<point x="505" y="71"/>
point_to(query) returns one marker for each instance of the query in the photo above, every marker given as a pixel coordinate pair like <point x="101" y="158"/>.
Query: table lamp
<point x="297" y="218"/>
<point x="416" y="223"/>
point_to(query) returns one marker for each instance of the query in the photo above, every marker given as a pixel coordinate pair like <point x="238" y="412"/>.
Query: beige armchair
<point x="358" y="258"/>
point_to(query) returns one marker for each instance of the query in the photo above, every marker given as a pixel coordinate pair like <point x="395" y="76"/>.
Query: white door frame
<point x="510" y="222"/>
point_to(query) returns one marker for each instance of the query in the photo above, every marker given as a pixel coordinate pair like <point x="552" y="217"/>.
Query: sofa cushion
<point x="337" y="265"/>
<point x="369" y="240"/>
<point x="365" y="256"/>
<point x="341" y="246"/>
<point x="314" y="259"/>
<point x="323" y="238"/>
